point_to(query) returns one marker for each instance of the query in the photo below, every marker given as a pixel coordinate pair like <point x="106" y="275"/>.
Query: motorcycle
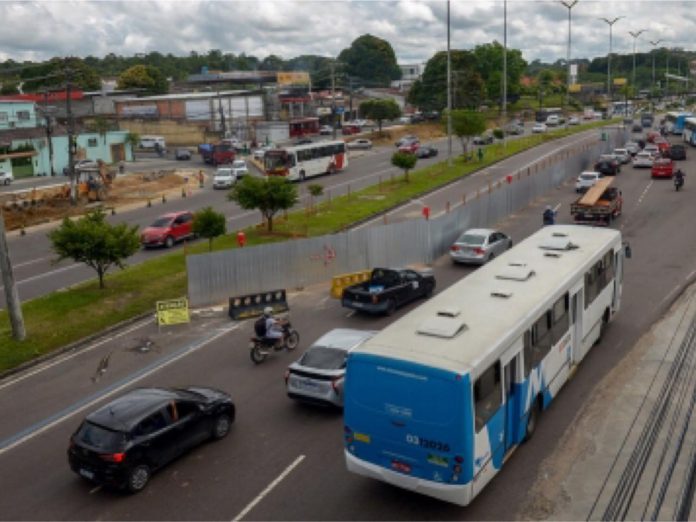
<point x="678" y="183"/>
<point x="262" y="347"/>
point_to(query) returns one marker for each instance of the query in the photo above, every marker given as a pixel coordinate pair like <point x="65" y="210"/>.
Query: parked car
<point x="573" y="120"/>
<point x="318" y="376"/>
<point x="388" y="289"/>
<point x="6" y="177"/>
<point x="662" y="168"/>
<point x="405" y="140"/>
<point x="607" y="166"/>
<point x="224" y="178"/>
<point x="677" y="152"/>
<point x="539" y="128"/>
<point x="586" y="180"/>
<point x="361" y="143"/>
<point x="168" y="229"/>
<point x="326" y="129"/>
<point x="124" y="442"/>
<point x="182" y="154"/>
<point x="240" y="168"/>
<point x="484" y="139"/>
<point x="479" y="245"/>
<point x="426" y="152"/>
<point x="622" y="156"/>
<point x="643" y="160"/>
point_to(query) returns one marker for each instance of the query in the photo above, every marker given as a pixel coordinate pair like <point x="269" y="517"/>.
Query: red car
<point x="652" y="135"/>
<point x="411" y="147"/>
<point x="663" y="145"/>
<point x="662" y="168"/>
<point x="168" y="229"/>
<point x="350" y="129"/>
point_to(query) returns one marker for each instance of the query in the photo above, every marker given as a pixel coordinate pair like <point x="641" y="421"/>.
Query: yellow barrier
<point x="339" y="282"/>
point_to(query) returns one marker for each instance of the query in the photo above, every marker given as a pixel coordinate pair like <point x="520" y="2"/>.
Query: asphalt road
<point x="284" y="461"/>
<point x="36" y="274"/>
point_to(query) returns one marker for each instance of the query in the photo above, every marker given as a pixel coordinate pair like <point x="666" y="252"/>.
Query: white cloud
<point x="415" y="28"/>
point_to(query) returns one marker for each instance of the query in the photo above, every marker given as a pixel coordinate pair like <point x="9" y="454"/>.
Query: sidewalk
<point x="630" y="451"/>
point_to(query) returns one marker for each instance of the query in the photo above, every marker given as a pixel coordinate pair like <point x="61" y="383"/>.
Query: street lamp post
<point x="569" y="6"/>
<point x="504" y="71"/>
<point x="654" y="44"/>
<point x="449" y="91"/>
<point x="635" y="36"/>
<point x="610" y="23"/>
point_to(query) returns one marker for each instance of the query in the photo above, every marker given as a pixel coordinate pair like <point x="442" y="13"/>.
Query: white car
<point x="326" y="129"/>
<point x="573" y="120"/>
<point x="6" y="177"/>
<point x="239" y="167"/>
<point x="553" y="120"/>
<point x="622" y="156"/>
<point x="643" y="159"/>
<point x="539" y="127"/>
<point x="652" y="149"/>
<point x="224" y="178"/>
<point x="632" y="147"/>
<point x="361" y="143"/>
<point x="586" y="180"/>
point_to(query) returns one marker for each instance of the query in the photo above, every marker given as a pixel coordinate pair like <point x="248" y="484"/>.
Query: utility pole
<point x="569" y="6"/>
<point x="504" y="72"/>
<point x="449" y="91"/>
<point x="333" y="99"/>
<point x="635" y="36"/>
<point x="71" y="139"/>
<point x="14" y="307"/>
<point x="49" y="133"/>
<point x="654" y="44"/>
<point x="223" y="127"/>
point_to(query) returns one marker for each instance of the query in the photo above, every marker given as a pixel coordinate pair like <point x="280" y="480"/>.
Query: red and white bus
<point x="305" y="161"/>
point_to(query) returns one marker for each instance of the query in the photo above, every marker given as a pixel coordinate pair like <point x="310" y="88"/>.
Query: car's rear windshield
<point x="588" y="177"/>
<point x="161" y="222"/>
<point x="324" y="358"/>
<point x="101" y="438"/>
<point x="472" y="239"/>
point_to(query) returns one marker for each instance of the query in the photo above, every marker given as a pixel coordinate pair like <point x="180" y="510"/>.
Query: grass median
<point x="65" y="316"/>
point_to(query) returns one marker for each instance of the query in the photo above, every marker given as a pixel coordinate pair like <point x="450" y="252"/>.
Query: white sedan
<point x="539" y="128"/>
<point x="573" y="120"/>
<point x="361" y="143"/>
<point x="643" y="159"/>
<point x="6" y="178"/>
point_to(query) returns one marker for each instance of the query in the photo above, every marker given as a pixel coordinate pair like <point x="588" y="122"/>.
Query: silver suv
<point x="318" y="375"/>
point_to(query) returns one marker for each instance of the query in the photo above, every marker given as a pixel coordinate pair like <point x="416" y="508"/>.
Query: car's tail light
<point x="113" y="457"/>
<point x="335" y="382"/>
<point x="479" y="251"/>
<point x="455" y="248"/>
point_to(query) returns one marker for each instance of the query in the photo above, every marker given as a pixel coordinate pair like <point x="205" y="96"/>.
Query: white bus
<point x="299" y="162"/>
<point x="689" y="132"/>
<point x="436" y="401"/>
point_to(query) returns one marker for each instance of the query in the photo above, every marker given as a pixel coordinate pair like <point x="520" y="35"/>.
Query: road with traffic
<point x="282" y="460"/>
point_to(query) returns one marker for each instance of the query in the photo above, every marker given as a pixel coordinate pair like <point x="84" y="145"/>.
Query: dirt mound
<point x="41" y="205"/>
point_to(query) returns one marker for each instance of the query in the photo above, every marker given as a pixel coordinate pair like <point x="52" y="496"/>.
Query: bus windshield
<point x="277" y="160"/>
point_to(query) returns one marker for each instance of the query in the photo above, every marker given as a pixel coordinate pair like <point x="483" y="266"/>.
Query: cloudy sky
<point x="416" y="29"/>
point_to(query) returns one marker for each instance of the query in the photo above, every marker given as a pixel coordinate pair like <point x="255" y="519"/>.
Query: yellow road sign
<point x="173" y="311"/>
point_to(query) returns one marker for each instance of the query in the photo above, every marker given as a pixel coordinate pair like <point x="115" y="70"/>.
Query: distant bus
<point x="542" y="114"/>
<point x="675" y="121"/>
<point x="436" y="401"/>
<point x="305" y="161"/>
<point x="689" y="133"/>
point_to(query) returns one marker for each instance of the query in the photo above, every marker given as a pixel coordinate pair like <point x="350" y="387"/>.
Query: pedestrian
<point x="480" y="154"/>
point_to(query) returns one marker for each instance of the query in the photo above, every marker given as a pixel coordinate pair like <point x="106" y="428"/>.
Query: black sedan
<point x="607" y="167"/>
<point x="122" y="443"/>
<point x="677" y="152"/>
<point x="426" y="152"/>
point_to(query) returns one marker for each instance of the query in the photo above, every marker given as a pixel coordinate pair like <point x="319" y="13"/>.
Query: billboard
<point x="618" y="82"/>
<point x="293" y="78"/>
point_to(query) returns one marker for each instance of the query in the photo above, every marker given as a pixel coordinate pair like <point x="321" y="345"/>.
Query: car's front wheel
<point x="222" y="426"/>
<point x="169" y="242"/>
<point x="138" y="477"/>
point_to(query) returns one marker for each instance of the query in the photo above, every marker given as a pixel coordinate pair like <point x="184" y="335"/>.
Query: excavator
<point x="95" y="182"/>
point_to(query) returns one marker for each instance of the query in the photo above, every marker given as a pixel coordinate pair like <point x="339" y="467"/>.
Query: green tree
<point x="54" y="74"/>
<point x="145" y="77"/>
<point x="315" y="190"/>
<point x="405" y="161"/>
<point x="9" y="87"/>
<point x="95" y="242"/>
<point x="466" y="124"/>
<point x="489" y="64"/>
<point x="133" y="139"/>
<point x="209" y="224"/>
<point x="380" y="110"/>
<point x="268" y="195"/>
<point x="371" y="60"/>
<point x="430" y="91"/>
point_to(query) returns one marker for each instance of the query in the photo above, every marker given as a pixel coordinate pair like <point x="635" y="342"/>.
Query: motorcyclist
<point x="274" y="327"/>
<point x="549" y="216"/>
<point x="679" y="177"/>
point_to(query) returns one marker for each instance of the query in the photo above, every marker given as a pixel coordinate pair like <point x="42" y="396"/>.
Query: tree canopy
<point x="95" y="242"/>
<point x="466" y="124"/>
<point x="269" y="195"/>
<point x="371" y="60"/>
<point x="146" y="77"/>
<point x="380" y="110"/>
<point x="405" y="161"/>
<point x="209" y="224"/>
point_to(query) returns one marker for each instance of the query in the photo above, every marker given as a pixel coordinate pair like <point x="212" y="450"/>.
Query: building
<point x="17" y="114"/>
<point x="409" y="74"/>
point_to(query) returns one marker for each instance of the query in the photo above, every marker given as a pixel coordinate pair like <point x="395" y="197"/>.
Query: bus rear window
<point x="404" y="390"/>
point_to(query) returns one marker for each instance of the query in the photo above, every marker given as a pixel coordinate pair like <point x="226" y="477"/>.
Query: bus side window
<point x="541" y="338"/>
<point x="487" y="395"/>
<point x="561" y="321"/>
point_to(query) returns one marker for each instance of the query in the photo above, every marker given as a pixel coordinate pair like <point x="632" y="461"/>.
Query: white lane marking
<point x="117" y="389"/>
<point x="268" y="489"/>
<point x="47" y="274"/>
<point x="17" y="265"/>
<point x="645" y="193"/>
<point x="350" y="314"/>
<point x="60" y="360"/>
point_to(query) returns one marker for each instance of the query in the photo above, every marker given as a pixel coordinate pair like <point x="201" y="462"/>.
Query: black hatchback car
<point x="677" y="152"/>
<point x="426" y="152"/>
<point x="122" y="443"/>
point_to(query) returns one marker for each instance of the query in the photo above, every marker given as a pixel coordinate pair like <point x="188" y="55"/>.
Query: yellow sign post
<point x="172" y="311"/>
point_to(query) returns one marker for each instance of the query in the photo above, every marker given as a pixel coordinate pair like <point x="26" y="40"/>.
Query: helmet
<point x="268" y="311"/>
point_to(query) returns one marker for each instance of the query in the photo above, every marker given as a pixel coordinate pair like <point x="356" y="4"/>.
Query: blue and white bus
<point x="675" y="121"/>
<point x="689" y="134"/>
<point x="436" y="402"/>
